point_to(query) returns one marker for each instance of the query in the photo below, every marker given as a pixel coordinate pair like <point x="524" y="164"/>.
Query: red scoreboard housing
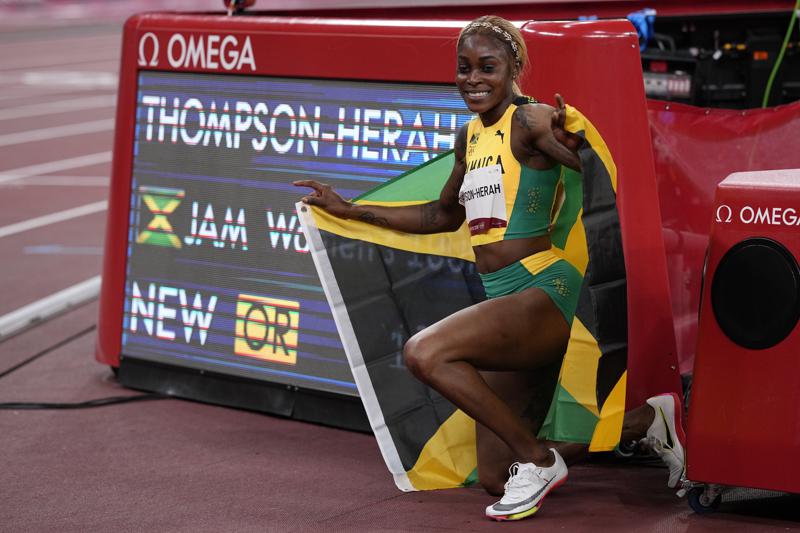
<point x="205" y="276"/>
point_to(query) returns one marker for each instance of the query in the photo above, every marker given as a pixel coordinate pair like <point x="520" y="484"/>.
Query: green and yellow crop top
<point x="503" y="198"/>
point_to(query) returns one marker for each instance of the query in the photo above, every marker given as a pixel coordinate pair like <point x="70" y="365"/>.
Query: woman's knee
<point x="419" y="354"/>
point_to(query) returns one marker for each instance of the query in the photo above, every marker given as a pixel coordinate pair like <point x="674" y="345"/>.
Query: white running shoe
<point x="526" y="488"/>
<point x="666" y="436"/>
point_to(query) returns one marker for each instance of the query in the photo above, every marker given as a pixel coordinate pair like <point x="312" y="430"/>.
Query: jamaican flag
<point x="383" y="286"/>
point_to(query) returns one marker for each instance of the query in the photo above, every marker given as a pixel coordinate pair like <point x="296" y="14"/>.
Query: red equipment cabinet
<point x="744" y="420"/>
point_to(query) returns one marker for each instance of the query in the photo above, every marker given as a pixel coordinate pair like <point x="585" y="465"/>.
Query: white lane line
<point x="106" y="58"/>
<point x="55" y="166"/>
<point x="49" y="306"/>
<point x="29" y="92"/>
<point x="62" y="181"/>
<point x="71" y="78"/>
<point x="56" y="132"/>
<point x="61" y="79"/>
<point x="59" y="106"/>
<point x="59" y="249"/>
<point x="52" y="218"/>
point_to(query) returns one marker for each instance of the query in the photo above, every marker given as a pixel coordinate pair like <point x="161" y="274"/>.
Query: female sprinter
<point x="504" y="183"/>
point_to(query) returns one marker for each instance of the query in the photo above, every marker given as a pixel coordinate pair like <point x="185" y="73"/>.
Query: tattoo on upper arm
<point x="524" y="120"/>
<point x="429" y="215"/>
<point x="370" y="218"/>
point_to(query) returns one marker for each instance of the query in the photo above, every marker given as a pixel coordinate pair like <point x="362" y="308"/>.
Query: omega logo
<point x="226" y="52"/>
<point x="149" y="36"/>
<point x="771" y="216"/>
<point x="724" y="213"/>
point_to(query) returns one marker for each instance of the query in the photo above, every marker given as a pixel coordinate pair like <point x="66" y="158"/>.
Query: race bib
<point x="484" y="199"/>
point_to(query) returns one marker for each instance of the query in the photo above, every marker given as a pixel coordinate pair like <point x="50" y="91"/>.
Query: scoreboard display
<point x="209" y="291"/>
<point x="208" y="288"/>
<point x="218" y="276"/>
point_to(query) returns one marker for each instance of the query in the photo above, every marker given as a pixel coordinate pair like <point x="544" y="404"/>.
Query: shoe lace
<point x="651" y="444"/>
<point x="520" y="480"/>
<point x="662" y="450"/>
<point x="654" y="444"/>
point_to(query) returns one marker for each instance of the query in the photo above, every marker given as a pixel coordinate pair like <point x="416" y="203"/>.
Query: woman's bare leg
<point x="529" y="395"/>
<point x="636" y="422"/>
<point x="518" y="332"/>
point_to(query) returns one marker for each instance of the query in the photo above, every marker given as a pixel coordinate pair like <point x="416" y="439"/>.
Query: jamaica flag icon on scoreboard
<point x="266" y="328"/>
<point x="161" y="202"/>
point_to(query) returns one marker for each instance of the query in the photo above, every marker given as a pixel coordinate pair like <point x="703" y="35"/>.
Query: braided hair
<point x="504" y="32"/>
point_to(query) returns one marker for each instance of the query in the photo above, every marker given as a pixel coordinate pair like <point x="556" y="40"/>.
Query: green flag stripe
<point x="573" y="202"/>
<point x="567" y="419"/>
<point x="424" y="182"/>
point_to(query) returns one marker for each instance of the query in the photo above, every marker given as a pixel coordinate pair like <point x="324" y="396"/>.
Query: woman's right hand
<point x="324" y="196"/>
<point x="559" y="118"/>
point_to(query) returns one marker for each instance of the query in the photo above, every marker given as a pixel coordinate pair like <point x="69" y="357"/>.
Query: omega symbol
<point x="724" y="213"/>
<point x="149" y="36"/>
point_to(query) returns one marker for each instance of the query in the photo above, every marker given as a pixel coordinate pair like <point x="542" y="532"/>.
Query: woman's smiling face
<point x="485" y="75"/>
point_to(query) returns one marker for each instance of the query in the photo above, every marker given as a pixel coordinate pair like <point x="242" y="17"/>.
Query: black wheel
<point x="699" y="505"/>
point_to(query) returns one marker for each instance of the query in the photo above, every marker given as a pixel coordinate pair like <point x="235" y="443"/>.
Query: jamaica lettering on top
<point x="485" y="162"/>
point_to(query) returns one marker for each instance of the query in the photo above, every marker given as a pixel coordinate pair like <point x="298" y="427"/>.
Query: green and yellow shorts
<point x="556" y="277"/>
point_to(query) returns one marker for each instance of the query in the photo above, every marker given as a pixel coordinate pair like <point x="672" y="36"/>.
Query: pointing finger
<point x="309" y="183"/>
